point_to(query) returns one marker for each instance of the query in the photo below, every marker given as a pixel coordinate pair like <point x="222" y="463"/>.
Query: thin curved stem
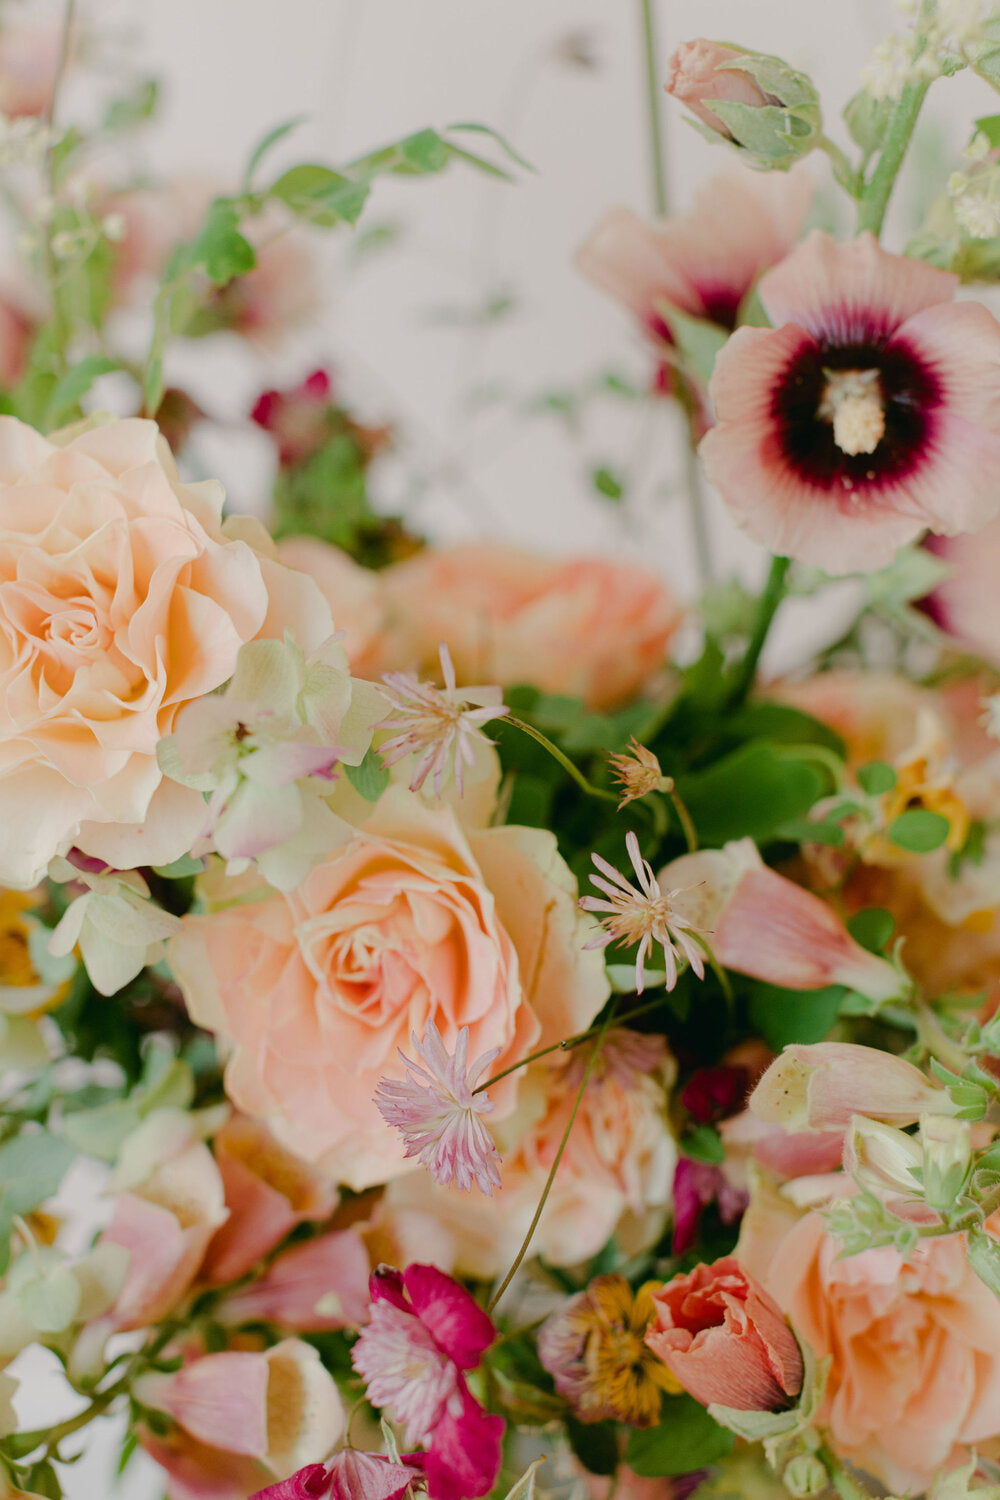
<point x="657" y="156"/>
<point x="563" y="759"/>
<point x="767" y="605"/>
<point x="566" y="1045"/>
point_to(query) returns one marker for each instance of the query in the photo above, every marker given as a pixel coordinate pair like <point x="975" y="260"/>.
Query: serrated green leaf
<point x="918" y="830"/>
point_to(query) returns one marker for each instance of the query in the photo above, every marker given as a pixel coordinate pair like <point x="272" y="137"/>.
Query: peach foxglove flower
<point x="425" y="1331"/>
<point x="269" y="1190"/>
<point x="645" y="915"/>
<point x="440" y="726"/>
<point x="867" y="415"/>
<point x="823" y="1085"/>
<point x="703" y="263"/>
<point x="726" y="1340"/>
<point x="349" y="1475"/>
<point x="321" y="1283"/>
<point x="439" y="1114"/>
<point x="280" y="1406"/>
<point x="762" y="924"/>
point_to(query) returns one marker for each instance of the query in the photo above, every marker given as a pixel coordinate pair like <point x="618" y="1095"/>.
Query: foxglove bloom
<point x="424" y="1332"/>
<point x="438" y="1112"/>
<point x="866" y="415"/>
<point x="643" y="915"/>
<point x="821" y="1086"/>
<point x="439" y="725"/>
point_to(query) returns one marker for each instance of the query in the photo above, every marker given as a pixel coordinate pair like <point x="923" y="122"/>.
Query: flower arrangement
<point x="519" y="1046"/>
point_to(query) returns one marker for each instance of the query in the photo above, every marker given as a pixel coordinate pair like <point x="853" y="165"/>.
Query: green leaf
<point x="370" y="778"/>
<point x="424" y="152"/>
<point x="220" y="247"/>
<point x="703" y="1143"/>
<point x="607" y="483"/>
<point x="919" y="830"/>
<point x="595" y="1444"/>
<point x="133" y="109"/>
<point x="320" y="195"/>
<point x="180" y="868"/>
<point x="42" y="1480"/>
<point x="74" y="385"/>
<point x="876" y="777"/>
<point x="784" y="1016"/>
<point x="990" y="127"/>
<point x="501" y="141"/>
<point x="698" y="340"/>
<point x="264" y="145"/>
<point x="50" y="1300"/>
<point x="32" y="1166"/>
<point x="983" y="1252"/>
<point x="686" y="1439"/>
<point x="752" y="792"/>
<point x="914" y="573"/>
<point x="872" y="928"/>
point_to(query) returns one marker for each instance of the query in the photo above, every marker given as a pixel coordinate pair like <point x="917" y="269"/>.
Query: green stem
<point x="842" y="168"/>
<point x="683" y="816"/>
<point x="767" y="604"/>
<point x="845" y="1484"/>
<point x="655" y="122"/>
<point x="588" y="1070"/>
<point x="875" y="197"/>
<point x="693" y="487"/>
<point x="51" y="264"/>
<point x="564" y="760"/>
<point x="566" y="1045"/>
<point x="937" y="1041"/>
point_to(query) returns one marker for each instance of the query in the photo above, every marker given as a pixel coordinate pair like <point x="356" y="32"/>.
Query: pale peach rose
<point x="354" y="594"/>
<point x="122" y="597"/>
<point x="616" y="1174"/>
<point x="413" y="920"/>
<point x="16" y="333"/>
<point x="268" y="1191"/>
<point x="588" y="627"/>
<point x="915" y="1347"/>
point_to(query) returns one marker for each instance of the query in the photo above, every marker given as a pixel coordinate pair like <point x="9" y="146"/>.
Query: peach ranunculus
<point x="590" y="627"/>
<point x="354" y="594"/>
<point x="413" y="920"/>
<point x="122" y="597"/>
<point x="616" y="1174"/>
<point x="915" y="1345"/>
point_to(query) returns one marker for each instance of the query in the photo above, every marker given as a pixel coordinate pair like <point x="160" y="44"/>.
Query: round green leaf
<point x="919" y="831"/>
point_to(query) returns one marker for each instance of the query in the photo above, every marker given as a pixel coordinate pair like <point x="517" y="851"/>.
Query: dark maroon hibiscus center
<point x="911" y="394"/>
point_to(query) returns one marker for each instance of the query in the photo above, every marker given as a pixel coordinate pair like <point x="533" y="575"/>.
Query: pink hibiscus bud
<point x="268" y="1191"/>
<point x="762" y="924"/>
<point x="823" y="1085"/>
<point x="318" y="1285"/>
<point x="749" y="99"/>
<point x="279" y="1406"/>
<point x="726" y="1340"/>
<point x="349" y="1475"/>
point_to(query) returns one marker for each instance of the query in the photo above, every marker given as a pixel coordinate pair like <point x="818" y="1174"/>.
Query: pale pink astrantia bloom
<point x="439" y="1114"/>
<point x="440" y="725"/>
<point x="868" y="413"/>
<point x="642" y="914"/>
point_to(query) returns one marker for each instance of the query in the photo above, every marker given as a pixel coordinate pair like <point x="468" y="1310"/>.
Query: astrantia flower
<point x="642" y="915"/>
<point x="594" y="1347"/>
<point x="866" y="415"/>
<point x="424" y="1332"/>
<point x="438" y="1113"/>
<point x="638" y="772"/>
<point x="440" y="725"/>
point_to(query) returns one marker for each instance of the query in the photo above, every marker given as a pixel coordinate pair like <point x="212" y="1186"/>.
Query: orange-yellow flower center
<point x="852" y="401"/>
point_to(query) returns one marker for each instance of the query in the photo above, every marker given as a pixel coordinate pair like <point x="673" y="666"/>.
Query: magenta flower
<point x="297" y="419"/>
<point x="349" y="1475"/>
<point x="866" y="415"/>
<point x="696" y="1185"/>
<point x="439" y="1115"/>
<point x="424" y="1332"/>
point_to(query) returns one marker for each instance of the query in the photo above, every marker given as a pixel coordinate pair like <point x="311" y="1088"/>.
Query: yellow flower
<point x="595" y="1348"/>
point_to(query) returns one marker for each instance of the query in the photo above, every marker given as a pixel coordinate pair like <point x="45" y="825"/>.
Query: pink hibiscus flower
<point x="424" y="1333"/>
<point x="868" y="413"/>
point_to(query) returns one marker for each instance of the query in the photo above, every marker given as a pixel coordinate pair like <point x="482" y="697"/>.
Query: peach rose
<point x="616" y="1174"/>
<point x="122" y="597"/>
<point x="353" y="593"/>
<point x="413" y="920"/>
<point x="588" y="627"/>
<point x="915" y="1346"/>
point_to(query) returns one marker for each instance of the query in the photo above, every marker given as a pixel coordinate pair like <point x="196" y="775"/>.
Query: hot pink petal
<point x="311" y="1483"/>
<point x="457" y="1322"/>
<point x="464" y="1457"/>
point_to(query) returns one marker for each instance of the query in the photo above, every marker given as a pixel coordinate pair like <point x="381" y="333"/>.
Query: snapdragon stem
<point x="767" y="605"/>
<point x="566" y="1045"/>
<point x="563" y="759"/>
<point x="588" y="1070"/>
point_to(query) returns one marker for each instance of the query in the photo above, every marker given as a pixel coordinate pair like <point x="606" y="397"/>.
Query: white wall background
<point x="367" y="71"/>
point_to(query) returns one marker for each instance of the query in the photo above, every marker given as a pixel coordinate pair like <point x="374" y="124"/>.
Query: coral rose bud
<point x="726" y="1339"/>
<point x="704" y="72"/>
<point x="820" y="1087"/>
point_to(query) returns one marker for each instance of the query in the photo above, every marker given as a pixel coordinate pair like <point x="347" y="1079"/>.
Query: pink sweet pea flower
<point x="439" y="1115"/>
<point x="866" y="415"/>
<point x="425" y="1331"/>
<point x="762" y="924"/>
<point x="703" y="263"/>
<point x="349" y="1475"/>
<point x="320" y="1284"/>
